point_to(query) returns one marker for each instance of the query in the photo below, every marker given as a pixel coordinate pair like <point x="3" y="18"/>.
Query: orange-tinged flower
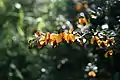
<point x="70" y="38"/>
<point x="82" y="21"/>
<point x="78" y="7"/>
<point x="104" y="43"/>
<point x="99" y="42"/>
<point x="92" y="40"/>
<point x="55" y="39"/>
<point x="41" y="42"/>
<point x="47" y="36"/>
<point x="65" y="36"/>
<point x="97" y="38"/>
<point x="109" y="52"/>
<point x="61" y="35"/>
<point x="92" y="74"/>
<point x="37" y="34"/>
<point x="111" y="41"/>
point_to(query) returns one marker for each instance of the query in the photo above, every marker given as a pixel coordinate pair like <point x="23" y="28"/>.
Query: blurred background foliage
<point x="18" y="20"/>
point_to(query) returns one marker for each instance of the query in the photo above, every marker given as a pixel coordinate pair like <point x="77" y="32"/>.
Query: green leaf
<point x="18" y="73"/>
<point x="20" y="22"/>
<point x="2" y="4"/>
<point x="41" y="24"/>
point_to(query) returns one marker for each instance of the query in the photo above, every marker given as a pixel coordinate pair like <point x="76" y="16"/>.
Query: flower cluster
<point x="98" y="39"/>
<point x="54" y="39"/>
<point x="91" y="69"/>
